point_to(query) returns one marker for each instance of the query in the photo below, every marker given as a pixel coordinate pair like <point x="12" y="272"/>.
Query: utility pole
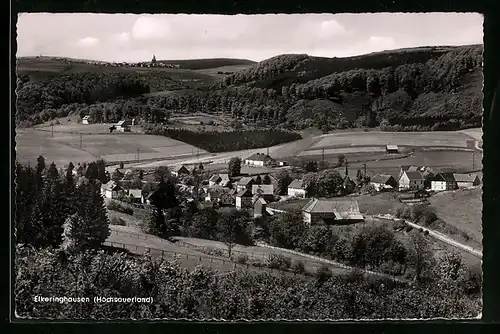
<point x="198" y="154"/>
<point x="323" y="156"/>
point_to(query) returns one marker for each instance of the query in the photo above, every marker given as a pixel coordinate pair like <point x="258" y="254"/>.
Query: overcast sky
<point x="120" y="37"/>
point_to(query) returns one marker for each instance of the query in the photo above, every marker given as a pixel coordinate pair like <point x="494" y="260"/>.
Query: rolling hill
<point x="413" y="89"/>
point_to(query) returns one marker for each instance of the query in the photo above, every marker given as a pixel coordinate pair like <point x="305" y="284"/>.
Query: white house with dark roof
<point x="215" y="179"/>
<point x="259" y="160"/>
<point x="467" y="180"/>
<point x="383" y="182"/>
<point x="295" y="189"/>
<point x="411" y="180"/>
<point x="86" y="120"/>
<point x="123" y="126"/>
<point x="135" y="195"/>
<point x="443" y="181"/>
<point x="336" y="211"/>
<point x="180" y="170"/>
<point x="112" y="190"/>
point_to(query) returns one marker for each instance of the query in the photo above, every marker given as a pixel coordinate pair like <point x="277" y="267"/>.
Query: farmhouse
<point x="227" y="197"/>
<point x="411" y="180"/>
<point x="180" y="170"/>
<point x="245" y="182"/>
<point x="392" y="149"/>
<point x="383" y="182"/>
<point x="331" y="211"/>
<point x="135" y="195"/>
<point x="112" y="190"/>
<point x="86" y="120"/>
<point x="215" y="179"/>
<point x="467" y="180"/>
<point x="244" y="199"/>
<point x="265" y="191"/>
<point x="123" y="126"/>
<point x="259" y="160"/>
<point x="214" y="194"/>
<point x="443" y="181"/>
<point x="295" y="189"/>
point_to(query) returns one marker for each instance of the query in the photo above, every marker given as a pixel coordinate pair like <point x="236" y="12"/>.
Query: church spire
<point x="154" y="59"/>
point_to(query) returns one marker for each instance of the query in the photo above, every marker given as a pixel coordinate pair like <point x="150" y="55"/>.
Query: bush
<point x="465" y="236"/>
<point x="242" y="259"/>
<point x="408" y="228"/>
<point x="117" y="221"/>
<point x="278" y="261"/>
<point x="116" y="206"/>
<point x="298" y="267"/>
<point x="392" y="268"/>
<point x="426" y="232"/>
<point x="323" y="273"/>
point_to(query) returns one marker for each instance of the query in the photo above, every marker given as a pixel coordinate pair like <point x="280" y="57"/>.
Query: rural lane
<point x="439" y="236"/>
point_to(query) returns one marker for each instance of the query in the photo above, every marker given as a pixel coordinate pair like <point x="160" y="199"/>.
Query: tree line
<point x="216" y="141"/>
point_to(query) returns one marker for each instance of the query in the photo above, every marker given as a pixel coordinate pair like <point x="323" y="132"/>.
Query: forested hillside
<point x="434" y="88"/>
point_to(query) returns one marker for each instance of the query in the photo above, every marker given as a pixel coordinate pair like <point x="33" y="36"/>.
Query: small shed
<point x="391" y="148"/>
<point x="86" y="120"/>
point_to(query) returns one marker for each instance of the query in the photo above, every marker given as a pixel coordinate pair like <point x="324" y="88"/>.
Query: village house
<point x="215" y="179"/>
<point x="410" y="168"/>
<point x="123" y="126"/>
<point x="112" y="190"/>
<point x="244" y="199"/>
<point x="411" y="180"/>
<point x="443" y="181"/>
<point x="265" y="191"/>
<point x="467" y="180"/>
<point x="295" y="189"/>
<point x="383" y="182"/>
<point x="245" y="182"/>
<point x="259" y="207"/>
<point x="135" y="195"/>
<point x="391" y="149"/>
<point x="180" y="170"/>
<point x="259" y="160"/>
<point x="213" y="194"/>
<point x="331" y="211"/>
<point x="227" y="198"/>
<point x="86" y="120"/>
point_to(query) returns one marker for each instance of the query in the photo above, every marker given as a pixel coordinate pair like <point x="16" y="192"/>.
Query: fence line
<point x="341" y="265"/>
<point x="438" y="236"/>
<point x="165" y="254"/>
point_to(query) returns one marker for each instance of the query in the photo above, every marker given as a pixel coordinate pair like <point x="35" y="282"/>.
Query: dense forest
<point x="217" y="141"/>
<point x="437" y="88"/>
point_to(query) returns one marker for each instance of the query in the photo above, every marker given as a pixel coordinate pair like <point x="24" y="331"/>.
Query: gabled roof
<point x="179" y="168"/>
<point x="224" y="177"/>
<point x="86" y="117"/>
<point x="342" y="208"/>
<point x="259" y="157"/>
<point x="232" y="192"/>
<point x="381" y="178"/>
<point x="137" y="193"/>
<point x="256" y="199"/>
<point x="266" y="189"/>
<point x="465" y="177"/>
<point x="444" y="176"/>
<point x="244" y="181"/>
<point x="296" y="184"/>
<point x="414" y="176"/>
<point x="111" y="185"/>
<point x="215" y="178"/>
<point x="244" y="193"/>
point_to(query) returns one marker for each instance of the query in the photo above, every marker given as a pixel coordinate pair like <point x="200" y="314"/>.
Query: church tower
<point x="154" y="59"/>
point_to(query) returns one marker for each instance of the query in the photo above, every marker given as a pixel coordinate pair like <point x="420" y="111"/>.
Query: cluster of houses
<point x="121" y="126"/>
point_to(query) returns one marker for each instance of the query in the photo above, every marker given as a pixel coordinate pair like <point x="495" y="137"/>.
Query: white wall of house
<point x="438" y="185"/>
<point x="294" y="192"/>
<point x="254" y="163"/>
<point x="377" y="186"/>
<point x="238" y="202"/>
<point x="85" y="121"/>
<point x="307" y="217"/>
<point x="404" y="182"/>
<point x="464" y="184"/>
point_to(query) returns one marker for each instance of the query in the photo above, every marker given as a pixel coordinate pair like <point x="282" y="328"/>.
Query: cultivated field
<point x="476" y="133"/>
<point x="67" y="145"/>
<point x="224" y="69"/>
<point x="412" y="139"/>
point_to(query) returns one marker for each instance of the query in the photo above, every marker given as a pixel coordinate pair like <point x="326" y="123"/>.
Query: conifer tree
<point x="101" y="170"/>
<point x="40" y="167"/>
<point x="89" y="226"/>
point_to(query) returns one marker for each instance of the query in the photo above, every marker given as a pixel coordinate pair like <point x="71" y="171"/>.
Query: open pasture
<point x="415" y="139"/>
<point x="476" y="133"/>
<point x="221" y="71"/>
<point x="115" y="147"/>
